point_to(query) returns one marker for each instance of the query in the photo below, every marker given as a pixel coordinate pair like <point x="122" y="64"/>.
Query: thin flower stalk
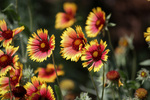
<point x="10" y="86"/>
<point x="56" y="74"/>
<point x="103" y="81"/>
<point x="94" y="85"/>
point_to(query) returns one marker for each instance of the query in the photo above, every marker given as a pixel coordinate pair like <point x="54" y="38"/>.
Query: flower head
<point x="66" y="19"/>
<point x="19" y="92"/>
<point x="48" y="74"/>
<point x="44" y="93"/>
<point x="67" y="84"/>
<point x="95" y="22"/>
<point x="114" y="77"/>
<point x="38" y="90"/>
<point x="141" y="93"/>
<point x="95" y="54"/>
<point x="143" y="75"/>
<point x="39" y="46"/>
<point x="7" y="61"/>
<point x="34" y="86"/>
<point x="147" y="35"/>
<point x="72" y="43"/>
<point x="15" y="77"/>
<point x="6" y="35"/>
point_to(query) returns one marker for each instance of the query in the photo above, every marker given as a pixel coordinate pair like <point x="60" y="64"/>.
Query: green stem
<point x="56" y="74"/>
<point x="103" y="82"/>
<point x="133" y="65"/>
<point x="10" y="86"/>
<point x="118" y="93"/>
<point x="112" y="49"/>
<point x="94" y="85"/>
<point x="16" y="6"/>
<point x="113" y="92"/>
<point x="30" y="15"/>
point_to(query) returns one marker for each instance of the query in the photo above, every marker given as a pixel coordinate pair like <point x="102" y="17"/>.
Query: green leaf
<point x="58" y="92"/>
<point x="108" y="17"/>
<point x="12" y="15"/>
<point x="122" y="74"/>
<point x="8" y="7"/>
<point x="111" y="24"/>
<point x="145" y="62"/>
<point x="133" y="84"/>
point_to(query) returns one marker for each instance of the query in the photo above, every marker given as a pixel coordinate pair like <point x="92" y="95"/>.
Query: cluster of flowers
<point x="40" y="46"/>
<point x="74" y="45"/>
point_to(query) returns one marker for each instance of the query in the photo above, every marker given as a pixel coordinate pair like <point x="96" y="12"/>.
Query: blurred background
<point x="132" y="17"/>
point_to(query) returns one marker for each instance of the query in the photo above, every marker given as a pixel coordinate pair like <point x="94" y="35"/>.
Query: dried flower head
<point x="141" y="93"/>
<point x="114" y="77"/>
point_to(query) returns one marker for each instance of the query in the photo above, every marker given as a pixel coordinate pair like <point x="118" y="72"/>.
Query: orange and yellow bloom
<point x="40" y="46"/>
<point x="72" y="43"/>
<point x="94" y="54"/>
<point x="6" y="35"/>
<point x="48" y="74"/>
<point x="141" y="93"/>
<point x="7" y="61"/>
<point x="38" y="90"/>
<point x="95" y="22"/>
<point x="67" y="19"/>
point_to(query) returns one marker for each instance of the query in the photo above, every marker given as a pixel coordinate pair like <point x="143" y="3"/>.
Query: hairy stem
<point x="103" y="82"/>
<point x="94" y="85"/>
<point x="56" y="73"/>
<point x="30" y="16"/>
<point x="112" y="49"/>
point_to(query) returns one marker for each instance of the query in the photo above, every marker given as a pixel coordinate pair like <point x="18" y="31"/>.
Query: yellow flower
<point x="147" y="35"/>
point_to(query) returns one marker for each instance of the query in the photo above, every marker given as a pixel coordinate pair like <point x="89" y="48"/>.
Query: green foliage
<point x="145" y="62"/>
<point x="58" y="92"/>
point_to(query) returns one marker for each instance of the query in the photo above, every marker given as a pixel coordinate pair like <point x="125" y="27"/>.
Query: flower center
<point x="44" y="46"/>
<point x="13" y="78"/>
<point x="98" y="23"/>
<point x="96" y="55"/>
<point x="5" y="60"/>
<point x="143" y="74"/>
<point x="49" y="71"/>
<point x="7" y="34"/>
<point x="76" y="43"/>
<point x="42" y="98"/>
<point x="19" y="91"/>
<point x="68" y="17"/>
